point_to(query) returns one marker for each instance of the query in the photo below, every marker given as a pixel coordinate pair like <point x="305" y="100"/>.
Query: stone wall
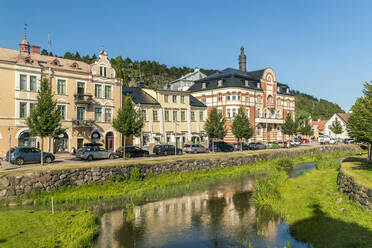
<point x="358" y="193"/>
<point x="12" y="186"/>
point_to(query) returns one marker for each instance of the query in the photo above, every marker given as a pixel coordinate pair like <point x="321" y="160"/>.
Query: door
<point x="80" y="143"/>
<point x="80" y="89"/>
<point x="80" y="111"/>
<point x="110" y="141"/>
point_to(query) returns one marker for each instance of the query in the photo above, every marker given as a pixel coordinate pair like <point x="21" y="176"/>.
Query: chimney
<point x="35" y="49"/>
<point x="242" y="60"/>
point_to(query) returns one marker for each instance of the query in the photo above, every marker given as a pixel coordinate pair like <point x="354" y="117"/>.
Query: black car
<point x="166" y="150"/>
<point x="256" y="146"/>
<point x="131" y="152"/>
<point x="237" y="146"/>
<point x="221" y="146"/>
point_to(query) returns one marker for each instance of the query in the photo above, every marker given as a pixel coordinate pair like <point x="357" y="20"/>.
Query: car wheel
<point x="111" y="156"/>
<point x="146" y="155"/>
<point x="180" y="152"/>
<point x="165" y="153"/>
<point x="19" y="161"/>
<point x="48" y="160"/>
<point x="90" y="158"/>
<point x="128" y="155"/>
<point x="195" y="152"/>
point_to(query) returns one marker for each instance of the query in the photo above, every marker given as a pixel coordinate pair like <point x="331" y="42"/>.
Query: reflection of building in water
<point x="110" y="223"/>
<point x="226" y="208"/>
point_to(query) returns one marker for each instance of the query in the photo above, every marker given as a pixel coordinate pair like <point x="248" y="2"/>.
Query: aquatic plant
<point x="328" y="164"/>
<point x="266" y="190"/>
<point x="285" y="163"/>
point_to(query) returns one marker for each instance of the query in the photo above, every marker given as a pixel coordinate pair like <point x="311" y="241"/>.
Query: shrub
<point x="284" y="163"/>
<point x="328" y="164"/>
<point x="135" y="174"/>
<point x="266" y="189"/>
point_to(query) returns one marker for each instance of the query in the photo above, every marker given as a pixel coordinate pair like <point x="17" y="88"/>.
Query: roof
<point x="139" y="96"/>
<point x="195" y="102"/>
<point x="344" y="116"/>
<point x="320" y="124"/>
<point x="38" y="60"/>
<point x="234" y="78"/>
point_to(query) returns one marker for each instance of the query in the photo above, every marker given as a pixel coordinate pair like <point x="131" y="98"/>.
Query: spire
<point x="24" y="46"/>
<point x="242" y="60"/>
<point x="103" y="52"/>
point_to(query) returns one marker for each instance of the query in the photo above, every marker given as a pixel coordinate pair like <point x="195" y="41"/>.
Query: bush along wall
<point x="12" y="186"/>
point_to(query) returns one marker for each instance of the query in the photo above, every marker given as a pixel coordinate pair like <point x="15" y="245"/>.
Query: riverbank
<point x="319" y="214"/>
<point x="136" y="190"/>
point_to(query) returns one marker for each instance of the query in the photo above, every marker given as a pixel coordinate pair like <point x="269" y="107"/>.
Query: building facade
<point x="185" y="82"/>
<point x="171" y="117"/>
<point x="87" y="95"/>
<point x="265" y="101"/>
<point x="343" y="118"/>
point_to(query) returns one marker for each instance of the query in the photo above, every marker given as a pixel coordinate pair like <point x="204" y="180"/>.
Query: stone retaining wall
<point x="360" y="194"/>
<point x="17" y="185"/>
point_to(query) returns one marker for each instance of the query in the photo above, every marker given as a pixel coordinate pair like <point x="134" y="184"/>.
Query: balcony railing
<point x="82" y="123"/>
<point x="83" y="98"/>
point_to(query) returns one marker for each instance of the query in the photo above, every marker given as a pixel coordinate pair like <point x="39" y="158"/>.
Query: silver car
<point x="90" y="153"/>
<point x="194" y="148"/>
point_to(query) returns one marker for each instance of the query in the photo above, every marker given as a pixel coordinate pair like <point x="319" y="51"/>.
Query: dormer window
<point x="287" y="90"/>
<point x="103" y="71"/>
<point x="258" y="85"/>
<point x="75" y="65"/>
<point x="246" y="83"/>
<point x="220" y="83"/>
<point x="204" y="85"/>
<point x="55" y="62"/>
<point x="28" y="60"/>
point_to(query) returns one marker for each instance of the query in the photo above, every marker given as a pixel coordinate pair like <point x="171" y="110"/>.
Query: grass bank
<point x="41" y="228"/>
<point x="317" y="213"/>
<point x="359" y="169"/>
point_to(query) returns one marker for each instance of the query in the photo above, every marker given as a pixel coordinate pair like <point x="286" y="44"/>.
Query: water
<point x="222" y="216"/>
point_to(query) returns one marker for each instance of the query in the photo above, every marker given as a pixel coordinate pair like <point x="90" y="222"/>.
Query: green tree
<point x="44" y="120"/>
<point x="336" y="127"/>
<point x="306" y="129"/>
<point x="241" y="127"/>
<point x="128" y="121"/>
<point x="289" y="126"/>
<point x="215" y="126"/>
<point x="360" y="121"/>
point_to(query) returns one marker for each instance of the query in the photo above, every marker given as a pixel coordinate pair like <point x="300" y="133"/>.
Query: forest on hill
<point x="156" y="75"/>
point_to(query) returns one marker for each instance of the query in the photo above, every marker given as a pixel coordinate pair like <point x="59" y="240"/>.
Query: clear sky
<point x="323" y="48"/>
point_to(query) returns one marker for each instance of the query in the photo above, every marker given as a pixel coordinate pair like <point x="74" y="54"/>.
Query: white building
<point x="186" y="81"/>
<point x="343" y="119"/>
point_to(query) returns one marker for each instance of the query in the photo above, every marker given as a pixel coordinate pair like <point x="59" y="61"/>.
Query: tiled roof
<point x="320" y="124"/>
<point x="139" y="96"/>
<point x="344" y="117"/>
<point x="195" y="102"/>
<point x="38" y="60"/>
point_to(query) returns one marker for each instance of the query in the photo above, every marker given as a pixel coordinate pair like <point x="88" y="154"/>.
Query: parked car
<point x="221" y="146"/>
<point x="131" y="152"/>
<point x="256" y="146"/>
<point x="237" y="146"/>
<point x="94" y="152"/>
<point x="166" y="150"/>
<point x="348" y="141"/>
<point x="21" y="155"/>
<point x="304" y="141"/>
<point x="283" y="144"/>
<point x="272" y="145"/>
<point x="194" y="148"/>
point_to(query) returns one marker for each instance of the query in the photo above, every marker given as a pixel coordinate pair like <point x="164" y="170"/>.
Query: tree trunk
<point x="369" y="152"/>
<point x="241" y="146"/>
<point x="213" y="150"/>
<point x="124" y="157"/>
<point x="42" y="152"/>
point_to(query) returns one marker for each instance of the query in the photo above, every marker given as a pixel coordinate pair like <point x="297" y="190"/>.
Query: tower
<point x="242" y="60"/>
<point x="24" y="46"/>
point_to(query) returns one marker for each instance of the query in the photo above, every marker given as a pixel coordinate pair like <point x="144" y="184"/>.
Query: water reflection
<point x="223" y="216"/>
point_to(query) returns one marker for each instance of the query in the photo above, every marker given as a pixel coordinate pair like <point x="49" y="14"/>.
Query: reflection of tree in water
<point x="241" y="203"/>
<point x="215" y="208"/>
<point x="129" y="234"/>
<point x="267" y="222"/>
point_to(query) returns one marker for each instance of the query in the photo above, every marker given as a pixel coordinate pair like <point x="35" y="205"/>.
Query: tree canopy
<point x="215" y="126"/>
<point x="289" y="126"/>
<point x="241" y="126"/>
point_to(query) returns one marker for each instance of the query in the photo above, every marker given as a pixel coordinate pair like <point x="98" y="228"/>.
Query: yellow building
<point x="88" y="96"/>
<point x="171" y="117"/>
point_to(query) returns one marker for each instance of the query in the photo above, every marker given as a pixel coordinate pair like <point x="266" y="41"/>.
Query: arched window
<point x="246" y="98"/>
<point x="203" y="99"/>
<point x="228" y="96"/>
<point x="258" y="99"/>
<point x="265" y="114"/>
<point x="278" y="114"/>
<point x="239" y="96"/>
<point x="269" y="100"/>
<point x="258" y="114"/>
<point x="278" y="101"/>
<point x="219" y="97"/>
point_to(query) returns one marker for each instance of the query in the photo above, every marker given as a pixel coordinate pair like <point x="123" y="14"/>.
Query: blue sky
<point x="323" y="48"/>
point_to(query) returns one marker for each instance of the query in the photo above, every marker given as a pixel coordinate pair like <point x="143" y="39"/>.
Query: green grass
<point x="310" y="205"/>
<point x="328" y="164"/>
<point x="359" y="169"/>
<point x="29" y="228"/>
<point x="162" y="186"/>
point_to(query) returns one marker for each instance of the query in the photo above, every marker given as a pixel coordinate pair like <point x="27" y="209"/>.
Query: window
<point x="183" y="115"/>
<point x="107" y="115"/>
<point x="174" y="115"/>
<point x="233" y="96"/>
<point x="269" y="100"/>
<point x="32" y="106"/>
<point x="192" y="116"/>
<point x="258" y="99"/>
<point x="247" y="98"/>
<point x="219" y="111"/>
<point x="32" y="83"/>
<point x="203" y="99"/>
<point x="155" y="115"/>
<point x="166" y="115"/>
<point x="174" y="98"/>
<point x="247" y="112"/>
<point x="220" y="83"/>
<point x="201" y="115"/>
<point x="204" y="85"/>
<point x="278" y="102"/>
<point x="61" y="87"/>
<point x="98" y="114"/>
<point x="103" y="71"/>
<point x="22" y="110"/>
<point x="143" y="112"/>
<point x="220" y="97"/>
<point x="228" y="96"/>
<point x="80" y="113"/>
<point x="265" y="114"/>
<point x="238" y="96"/>
<point x="258" y="129"/>
<point x="258" y="113"/>
<point x="182" y="99"/>
<point x="233" y="113"/>
<point x="23" y="82"/>
<point x="98" y="91"/>
<point x="165" y="98"/>
<point x="108" y="92"/>
<point x="278" y="115"/>
<point x="62" y="108"/>
<point x="228" y="114"/>
<point x="80" y="88"/>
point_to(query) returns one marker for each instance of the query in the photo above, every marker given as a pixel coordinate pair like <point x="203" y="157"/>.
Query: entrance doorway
<point x="61" y="143"/>
<point x="109" y="141"/>
<point x="25" y="139"/>
<point x="80" y="143"/>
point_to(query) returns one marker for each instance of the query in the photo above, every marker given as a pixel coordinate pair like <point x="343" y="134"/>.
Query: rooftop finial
<point x="242" y="60"/>
<point x="103" y="52"/>
<point x="242" y="49"/>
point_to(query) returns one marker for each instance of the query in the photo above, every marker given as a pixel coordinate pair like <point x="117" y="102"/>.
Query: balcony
<point x="82" y="123"/>
<point x="271" y="119"/>
<point x="83" y="98"/>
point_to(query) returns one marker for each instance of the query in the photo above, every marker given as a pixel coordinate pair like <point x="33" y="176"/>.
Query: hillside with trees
<point x="156" y="75"/>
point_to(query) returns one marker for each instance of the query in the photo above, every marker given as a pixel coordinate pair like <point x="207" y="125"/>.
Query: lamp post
<point x="175" y="138"/>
